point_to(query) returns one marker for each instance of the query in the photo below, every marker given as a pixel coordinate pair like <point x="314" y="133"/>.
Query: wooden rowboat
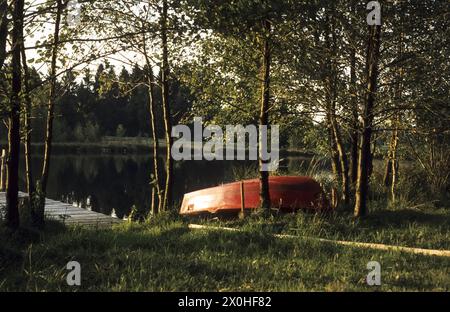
<point x="288" y="194"/>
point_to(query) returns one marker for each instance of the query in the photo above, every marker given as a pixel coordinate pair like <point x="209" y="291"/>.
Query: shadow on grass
<point x="404" y="217"/>
<point x="173" y="258"/>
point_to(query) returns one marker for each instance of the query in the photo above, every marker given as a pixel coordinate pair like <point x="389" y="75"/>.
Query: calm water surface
<point x="114" y="184"/>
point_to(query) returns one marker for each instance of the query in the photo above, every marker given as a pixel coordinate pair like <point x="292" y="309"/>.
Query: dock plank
<point x="70" y="214"/>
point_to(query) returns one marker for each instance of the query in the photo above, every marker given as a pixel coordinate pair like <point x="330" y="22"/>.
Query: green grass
<point x="405" y="227"/>
<point x="164" y="255"/>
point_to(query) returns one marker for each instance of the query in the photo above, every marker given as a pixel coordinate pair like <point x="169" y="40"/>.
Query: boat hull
<point x="287" y="194"/>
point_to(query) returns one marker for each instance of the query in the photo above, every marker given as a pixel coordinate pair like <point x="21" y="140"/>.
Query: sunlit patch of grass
<point x="407" y="227"/>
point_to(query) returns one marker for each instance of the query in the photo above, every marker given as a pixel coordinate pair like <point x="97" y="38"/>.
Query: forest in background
<point x="103" y="104"/>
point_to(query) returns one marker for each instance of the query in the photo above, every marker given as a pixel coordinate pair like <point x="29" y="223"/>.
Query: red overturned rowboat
<point x="288" y="194"/>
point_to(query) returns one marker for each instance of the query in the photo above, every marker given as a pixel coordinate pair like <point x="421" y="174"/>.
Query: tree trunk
<point x="50" y="116"/>
<point x="394" y="163"/>
<point x="3" y="30"/>
<point x="391" y="157"/>
<point x="335" y="166"/>
<point x="166" y="110"/>
<point x="343" y="164"/>
<point x="12" y="183"/>
<point x="339" y="161"/>
<point x="27" y="126"/>
<point x="152" y="108"/>
<point x="354" y="141"/>
<point x="264" y="116"/>
<point x="343" y="160"/>
<point x="331" y="77"/>
<point x="364" y="159"/>
<point x="354" y="105"/>
<point x="326" y="78"/>
<point x="388" y="167"/>
<point x="156" y="181"/>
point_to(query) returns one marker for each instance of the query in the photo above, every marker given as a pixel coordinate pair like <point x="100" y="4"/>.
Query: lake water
<point x="115" y="183"/>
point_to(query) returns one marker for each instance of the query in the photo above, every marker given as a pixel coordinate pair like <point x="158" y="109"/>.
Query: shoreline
<point x="122" y="147"/>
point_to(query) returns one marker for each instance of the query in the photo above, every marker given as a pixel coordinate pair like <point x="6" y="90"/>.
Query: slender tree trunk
<point x="362" y="177"/>
<point x="354" y="129"/>
<point x="27" y="126"/>
<point x="152" y="108"/>
<point x="373" y="140"/>
<point x="392" y="155"/>
<point x="3" y="30"/>
<point x="343" y="164"/>
<point x="264" y="116"/>
<point x="343" y="160"/>
<point x="327" y="69"/>
<point x="331" y="79"/>
<point x="354" y="146"/>
<point x="335" y="166"/>
<point x="354" y="104"/>
<point x="166" y="110"/>
<point x="50" y="116"/>
<point x="12" y="182"/>
<point x="156" y="181"/>
<point x="394" y="163"/>
<point x="364" y="159"/>
<point x="338" y="156"/>
<point x="388" y="166"/>
<point x="334" y="155"/>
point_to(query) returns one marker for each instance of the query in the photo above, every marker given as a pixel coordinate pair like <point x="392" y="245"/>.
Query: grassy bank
<point x="164" y="255"/>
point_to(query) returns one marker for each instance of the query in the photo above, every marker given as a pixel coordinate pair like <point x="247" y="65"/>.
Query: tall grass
<point x="163" y="254"/>
<point x="243" y="172"/>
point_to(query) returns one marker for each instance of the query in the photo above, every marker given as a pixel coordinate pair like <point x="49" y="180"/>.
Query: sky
<point x="36" y="34"/>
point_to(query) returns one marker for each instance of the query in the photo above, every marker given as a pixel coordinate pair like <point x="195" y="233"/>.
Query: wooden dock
<point x="70" y="214"/>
